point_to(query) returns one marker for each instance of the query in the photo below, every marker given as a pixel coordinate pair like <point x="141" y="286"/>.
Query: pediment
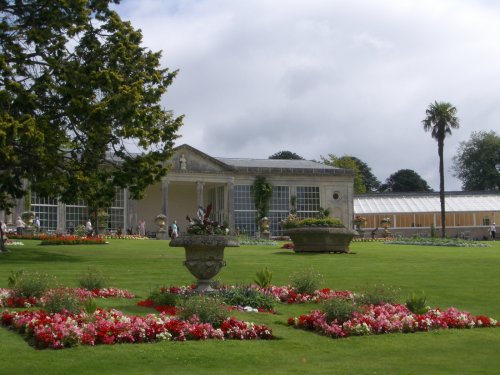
<point x="188" y="159"/>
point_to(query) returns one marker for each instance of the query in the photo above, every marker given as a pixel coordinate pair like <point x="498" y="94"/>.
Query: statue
<point x="183" y="162"/>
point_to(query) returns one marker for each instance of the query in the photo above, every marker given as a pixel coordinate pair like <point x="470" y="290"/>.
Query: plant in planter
<point x="319" y="234"/>
<point x="161" y="221"/>
<point x="204" y="245"/>
<point x="386" y="222"/>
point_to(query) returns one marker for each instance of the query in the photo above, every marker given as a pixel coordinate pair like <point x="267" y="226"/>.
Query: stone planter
<point x="321" y="239"/>
<point x="204" y="256"/>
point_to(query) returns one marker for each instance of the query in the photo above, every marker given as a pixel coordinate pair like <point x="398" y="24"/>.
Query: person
<point x="88" y="228"/>
<point x="142" y="228"/>
<point x="3" y="226"/>
<point x="374" y="232"/>
<point x="37" y="223"/>
<point x="175" y="230"/>
<point x="20" y="225"/>
<point x="71" y="228"/>
<point x="493" y="231"/>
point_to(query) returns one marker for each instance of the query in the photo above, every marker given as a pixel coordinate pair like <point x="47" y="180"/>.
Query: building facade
<point x="197" y="179"/>
<point x="469" y="215"/>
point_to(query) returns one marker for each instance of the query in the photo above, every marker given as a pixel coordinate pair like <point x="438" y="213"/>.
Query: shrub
<point x="93" y="279"/>
<point x="378" y="294"/>
<point x="338" y="309"/>
<point x="417" y="304"/>
<point x="247" y="296"/>
<point x="61" y="299"/>
<point x="306" y="281"/>
<point x="293" y="222"/>
<point x="29" y="284"/>
<point x="264" y="278"/>
<point x="80" y="231"/>
<point x="208" y="309"/>
<point x="163" y="298"/>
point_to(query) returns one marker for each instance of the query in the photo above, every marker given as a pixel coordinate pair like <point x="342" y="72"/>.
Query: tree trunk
<point x="2" y="243"/>
<point x="441" y="186"/>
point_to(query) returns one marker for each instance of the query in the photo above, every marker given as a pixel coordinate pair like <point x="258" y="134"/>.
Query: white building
<point x="197" y="179"/>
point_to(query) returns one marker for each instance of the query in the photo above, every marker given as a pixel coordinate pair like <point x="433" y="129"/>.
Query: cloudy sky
<point x="321" y="77"/>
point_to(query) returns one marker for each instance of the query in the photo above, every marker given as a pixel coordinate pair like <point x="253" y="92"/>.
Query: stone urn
<point x="204" y="256"/>
<point x="321" y="239"/>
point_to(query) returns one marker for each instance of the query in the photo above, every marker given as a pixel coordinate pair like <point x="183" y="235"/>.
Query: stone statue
<point x="183" y="162"/>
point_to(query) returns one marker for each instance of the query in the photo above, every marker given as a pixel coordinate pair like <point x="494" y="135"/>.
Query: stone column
<point x="131" y="213"/>
<point x="199" y="194"/>
<point x="61" y="218"/>
<point x="230" y="206"/>
<point x="164" y="208"/>
<point x="164" y="197"/>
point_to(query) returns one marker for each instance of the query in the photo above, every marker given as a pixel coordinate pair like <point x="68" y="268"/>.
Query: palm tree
<point x="440" y="119"/>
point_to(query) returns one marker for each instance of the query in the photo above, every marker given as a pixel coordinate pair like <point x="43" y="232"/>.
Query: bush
<point x="417" y="304"/>
<point x="264" y="278"/>
<point x="208" y="309"/>
<point x="58" y="300"/>
<point x="163" y="298"/>
<point x="29" y="284"/>
<point x="306" y="281"/>
<point x="247" y="296"/>
<point x="93" y="279"/>
<point x="338" y="309"/>
<point x="378" y="294"/>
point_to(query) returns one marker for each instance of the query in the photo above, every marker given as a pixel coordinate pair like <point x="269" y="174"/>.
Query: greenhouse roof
<point x="426" y="202"/>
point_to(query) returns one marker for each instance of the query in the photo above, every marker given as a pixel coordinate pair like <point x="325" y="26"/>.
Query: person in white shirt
<point x="88" y="228"/>
<point x="493" y="231"/>
<point x="20" y="225"/>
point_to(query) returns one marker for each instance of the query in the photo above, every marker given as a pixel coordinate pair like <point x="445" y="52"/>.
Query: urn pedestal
<point x="321" y="239"/>
<point x="204" y="256"/>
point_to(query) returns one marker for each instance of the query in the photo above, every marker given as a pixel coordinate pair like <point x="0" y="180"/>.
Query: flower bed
<point x="9" y="299"/>
<point x="123" y="237"/>
<point x="282" y="294"/>
<point x="455" y="242"/>
<point x="71" y="240"/>
<point x="389" y="318"/>
<point x="58" y="331"/>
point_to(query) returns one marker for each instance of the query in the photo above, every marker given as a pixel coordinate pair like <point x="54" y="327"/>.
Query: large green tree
<point x="477" y="160"/>
<point x="405" y="180"/>
<point x="80" y="111"/>
<point x="347" y="162"/>
<point x="288" y="155"/>
<point x="365" y="180"/>
<point x="440" y="118"/>
<point x="370" y="181"/>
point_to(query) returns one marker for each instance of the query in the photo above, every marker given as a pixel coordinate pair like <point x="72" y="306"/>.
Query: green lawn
<point x="466" y="278"/>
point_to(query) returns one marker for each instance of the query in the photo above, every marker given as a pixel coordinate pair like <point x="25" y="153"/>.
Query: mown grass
<point x="466" y="278"/>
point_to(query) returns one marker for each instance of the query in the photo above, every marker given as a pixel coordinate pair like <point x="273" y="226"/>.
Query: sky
<point x="320" y="77"/>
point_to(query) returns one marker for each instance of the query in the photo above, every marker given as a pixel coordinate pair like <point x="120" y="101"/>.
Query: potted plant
<point x="161" y="221"/>
<point x="386" y="222"/>
<point x="318" y="235"/>
<point x="359" y="221"/>
<point x="204" y="244"/>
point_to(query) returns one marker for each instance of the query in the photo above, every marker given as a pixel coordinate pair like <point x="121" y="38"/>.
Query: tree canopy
<point x="405" y="180"/>
<point x="477" y="160"/>
<point x="347" y="162"/>
<point x="77" y="89"/>
<point x="365" y="180"/>
<point x="287" y="155"/>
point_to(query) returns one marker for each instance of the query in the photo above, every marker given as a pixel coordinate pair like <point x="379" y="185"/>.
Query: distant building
<point x="468" y="214"/>
<point x="197" y="179"/>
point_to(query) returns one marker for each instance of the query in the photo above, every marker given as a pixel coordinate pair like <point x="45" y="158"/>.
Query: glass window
<point x="279" y="208"/>
<point x="46" y="210"/>
<point x="76" y="214"/>
<point x="244" y="210"/>
<point x="307" y="201"/>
